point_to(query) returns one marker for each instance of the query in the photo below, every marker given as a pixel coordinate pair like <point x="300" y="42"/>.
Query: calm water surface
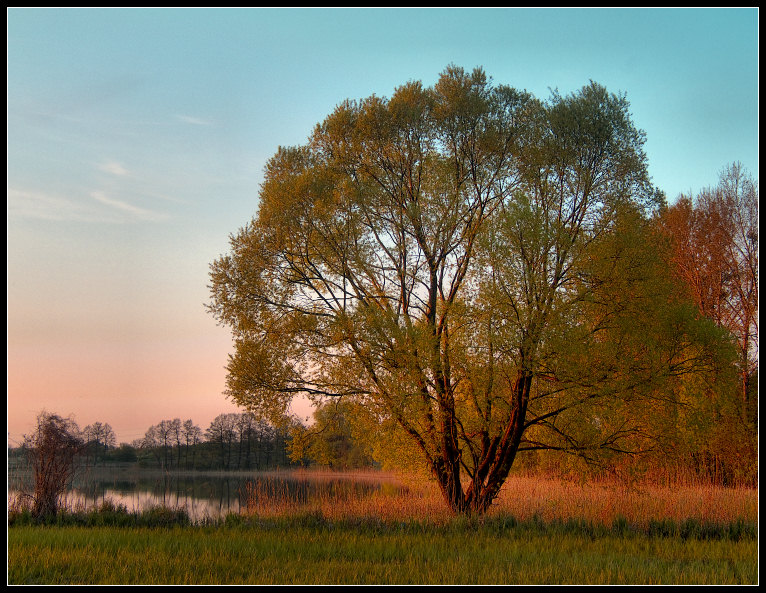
<point x="207" y="495"/>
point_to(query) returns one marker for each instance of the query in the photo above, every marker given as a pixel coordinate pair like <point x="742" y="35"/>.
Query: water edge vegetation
<point x="561" y="532"/>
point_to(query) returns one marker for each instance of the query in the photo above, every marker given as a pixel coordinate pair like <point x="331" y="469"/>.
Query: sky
<point x="137" y="139"/>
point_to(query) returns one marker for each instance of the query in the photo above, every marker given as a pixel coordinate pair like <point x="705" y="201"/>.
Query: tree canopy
<point x="467" y="263"/>
<point x="715" y="254"/>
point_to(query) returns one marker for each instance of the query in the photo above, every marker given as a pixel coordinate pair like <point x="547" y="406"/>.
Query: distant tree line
<point x="231" y="442"/>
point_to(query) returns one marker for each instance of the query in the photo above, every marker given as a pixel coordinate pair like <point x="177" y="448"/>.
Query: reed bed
<point x="603" y="502"/>
<point x="391" y="501"/>
<point x="415" y="498"/>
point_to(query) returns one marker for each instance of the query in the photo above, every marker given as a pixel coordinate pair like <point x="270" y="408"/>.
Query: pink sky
<point x="129" y="386"/>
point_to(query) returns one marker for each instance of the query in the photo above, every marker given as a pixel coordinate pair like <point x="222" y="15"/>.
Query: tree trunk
<point x="495" y="464"/>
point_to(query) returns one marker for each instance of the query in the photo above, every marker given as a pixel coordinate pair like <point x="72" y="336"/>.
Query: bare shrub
<point x="51" y="451"/>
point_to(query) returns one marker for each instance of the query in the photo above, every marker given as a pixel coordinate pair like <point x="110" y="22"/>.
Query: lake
<point x="208" y="495"/>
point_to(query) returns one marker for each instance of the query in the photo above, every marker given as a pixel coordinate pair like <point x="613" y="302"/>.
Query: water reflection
<point x="211" y="496"/>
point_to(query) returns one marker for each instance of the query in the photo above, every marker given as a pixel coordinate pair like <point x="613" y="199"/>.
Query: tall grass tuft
<point x="107" y="515"/>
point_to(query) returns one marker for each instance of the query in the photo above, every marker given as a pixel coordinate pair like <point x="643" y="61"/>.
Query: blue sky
<point x="137" y="139"/>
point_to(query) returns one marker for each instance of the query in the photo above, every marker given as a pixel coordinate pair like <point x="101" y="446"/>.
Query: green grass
<point x="310" y="549"/>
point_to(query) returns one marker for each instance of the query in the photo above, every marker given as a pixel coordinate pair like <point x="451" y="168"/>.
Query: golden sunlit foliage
<point x="472" y="269"/>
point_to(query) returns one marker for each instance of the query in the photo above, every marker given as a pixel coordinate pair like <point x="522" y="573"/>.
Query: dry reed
<point x="603" y="502"/>
<point x="413" y="498"/>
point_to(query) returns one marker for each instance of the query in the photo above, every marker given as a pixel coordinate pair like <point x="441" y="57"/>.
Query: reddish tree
<point x="715" y="255"/>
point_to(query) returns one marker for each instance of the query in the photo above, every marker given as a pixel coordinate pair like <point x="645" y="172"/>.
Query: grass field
<point x="540" y="532"/>
<point x="327" y="553"/>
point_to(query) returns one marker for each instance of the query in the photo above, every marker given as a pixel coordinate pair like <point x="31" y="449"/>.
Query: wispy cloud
<point x="43" y="206"/>
<point x="25" y="204"/>
<point x="130" y="209"/>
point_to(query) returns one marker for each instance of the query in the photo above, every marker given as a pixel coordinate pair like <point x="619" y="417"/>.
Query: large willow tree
<point x="451" y="259"/>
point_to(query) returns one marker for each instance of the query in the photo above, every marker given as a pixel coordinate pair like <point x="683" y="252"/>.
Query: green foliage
<point x="472" y="268"/>
<point x="333" y="442"/>
<point x="124" y="453"/>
